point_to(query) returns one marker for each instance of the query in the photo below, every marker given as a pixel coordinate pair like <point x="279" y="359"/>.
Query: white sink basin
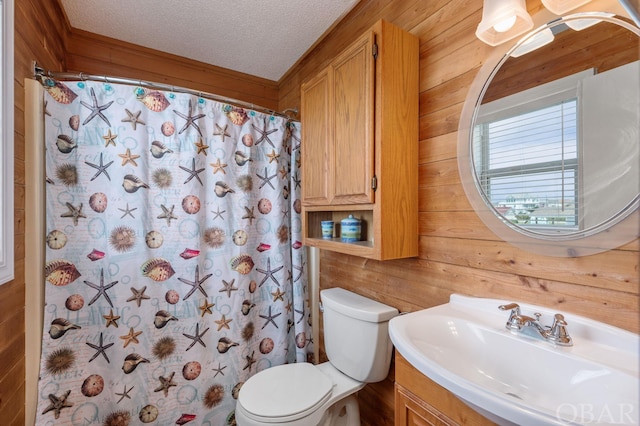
<point x="516" y="379"/>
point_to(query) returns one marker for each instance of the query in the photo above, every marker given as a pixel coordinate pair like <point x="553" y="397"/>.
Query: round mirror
<point x="549" y="138"/>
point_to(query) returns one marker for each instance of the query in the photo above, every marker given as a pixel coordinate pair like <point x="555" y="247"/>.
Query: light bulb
<point x="505" y="25"/>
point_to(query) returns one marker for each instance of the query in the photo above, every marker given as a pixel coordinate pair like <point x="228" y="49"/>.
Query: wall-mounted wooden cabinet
<point x="360" y="136"/>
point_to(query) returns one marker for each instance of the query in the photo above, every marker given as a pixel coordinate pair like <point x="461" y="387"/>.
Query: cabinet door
<point x="411" y="411"/>
<point x="316" y="137"/>
<point x="353" y="116"/>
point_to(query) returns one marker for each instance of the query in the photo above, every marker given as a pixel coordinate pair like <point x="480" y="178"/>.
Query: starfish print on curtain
<point x="172" y="275"/>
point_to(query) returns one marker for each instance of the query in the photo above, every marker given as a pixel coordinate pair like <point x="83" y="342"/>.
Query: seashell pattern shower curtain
<point x="174" y="266"/>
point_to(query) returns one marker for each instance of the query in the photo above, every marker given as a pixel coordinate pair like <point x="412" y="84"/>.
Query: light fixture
<point x="560" y="7"/>
<point x="534" y="42"/>
<point x="503" y="20"/>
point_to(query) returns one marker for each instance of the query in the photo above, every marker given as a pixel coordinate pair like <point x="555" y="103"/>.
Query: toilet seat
<point x="285" y="393"/>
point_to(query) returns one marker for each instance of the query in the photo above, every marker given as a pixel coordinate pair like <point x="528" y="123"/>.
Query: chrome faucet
<point x="557" y="333"/>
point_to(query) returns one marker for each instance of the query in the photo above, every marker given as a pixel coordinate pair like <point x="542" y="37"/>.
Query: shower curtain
<point x="174" y="268"/>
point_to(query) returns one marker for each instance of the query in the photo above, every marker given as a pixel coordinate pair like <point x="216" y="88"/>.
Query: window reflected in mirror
<point x="526" y="156"/>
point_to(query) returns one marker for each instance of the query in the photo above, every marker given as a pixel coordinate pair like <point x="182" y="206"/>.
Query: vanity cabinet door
<point x="421" y="401"/>
<point x="411" y="411"/>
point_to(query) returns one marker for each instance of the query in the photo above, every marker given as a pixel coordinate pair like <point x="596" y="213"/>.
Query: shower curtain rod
<point x="40" y="75"/>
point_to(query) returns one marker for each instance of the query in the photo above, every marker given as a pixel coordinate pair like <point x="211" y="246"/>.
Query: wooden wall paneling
<point x="441" y="121"/>
<point x="448" y="93"/>
<point x="443" y="198"/>
<point x="458" y="224"/>
<point x="410" y="285"/>
<point x="569" y="297"/>
<point x="376" y="400"/>
<point x="12" y="330"/>
<point x="18" y="169"/>
<point x="443" y="172"/>
<point x="354" y="24"/>
<point x="19" y="131"/>
<point x="467" y="224"/>
<point x="614" y="270"/>
<point x="449" y="28"/>
<point x="39" y="36"/>
<point x="441" y="147"/>
<point x="403" y="285"/>
<point x="17" y="411"/>
<point x="22" y="60"/>
<point x="468" y="56"/>
<point x="12" y="365"/>
<point x="41" y="27"/>
<point x="50" y="19"/>
<point x="289" y="99"/>
<point x="14" y="402"/>
<point x="415" y="16"/>
<point x="631" y="246"/>
<point x="458" y="253"/>
<point x="95" y="54"/>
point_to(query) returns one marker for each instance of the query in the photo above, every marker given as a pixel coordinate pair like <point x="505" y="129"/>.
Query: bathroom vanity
<point x="360" y="127"/>
<point x="412" y="391"/>
<point x="518" y="372"/>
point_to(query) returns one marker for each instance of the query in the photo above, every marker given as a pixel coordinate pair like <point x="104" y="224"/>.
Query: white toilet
<point x="357" y="343"/>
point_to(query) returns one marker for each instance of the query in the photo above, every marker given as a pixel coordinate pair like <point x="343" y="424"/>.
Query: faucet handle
<point x="513" y="323"/>
<point x="558" y="321"/>
<point x="513" y="306"/>
<point x="558" y="331"/>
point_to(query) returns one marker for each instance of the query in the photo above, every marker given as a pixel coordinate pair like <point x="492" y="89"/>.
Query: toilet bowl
<point x="302" y="394"/>
<point x="299" y="394"/>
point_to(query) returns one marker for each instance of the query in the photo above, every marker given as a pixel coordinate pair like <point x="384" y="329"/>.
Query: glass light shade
<point x="534" y="42"/>
<point x="560" y="7"/>
<point x="505" y="25"/>
<point x="495" y="13"/>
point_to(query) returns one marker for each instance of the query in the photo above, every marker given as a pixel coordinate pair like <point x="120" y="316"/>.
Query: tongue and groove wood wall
<point x="35" y="38"/>
<point x="458" y="254"/>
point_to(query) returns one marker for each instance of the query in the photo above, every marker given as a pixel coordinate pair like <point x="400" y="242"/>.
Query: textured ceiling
<point x="263" y="38"/>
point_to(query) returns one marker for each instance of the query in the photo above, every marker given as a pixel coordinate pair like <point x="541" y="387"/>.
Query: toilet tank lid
<point x="355" y="306"/>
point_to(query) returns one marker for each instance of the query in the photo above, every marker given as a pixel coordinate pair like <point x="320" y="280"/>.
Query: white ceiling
<point x="263" y="38"/>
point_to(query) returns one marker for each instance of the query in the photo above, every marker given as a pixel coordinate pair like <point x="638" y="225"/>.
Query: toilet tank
<point x="356" y="334"/>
